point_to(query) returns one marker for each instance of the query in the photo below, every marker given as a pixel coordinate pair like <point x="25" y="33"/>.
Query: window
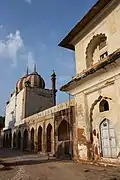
<point x="104" y="55"/>
<point x="104" y="106"/>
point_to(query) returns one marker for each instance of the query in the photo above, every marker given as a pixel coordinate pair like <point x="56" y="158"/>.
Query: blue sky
<point x="30" y="31"/>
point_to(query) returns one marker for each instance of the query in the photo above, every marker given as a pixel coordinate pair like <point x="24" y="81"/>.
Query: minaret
<point x="53" y="78"/>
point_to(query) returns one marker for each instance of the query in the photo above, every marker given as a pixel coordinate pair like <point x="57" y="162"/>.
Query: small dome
<point x="21" y="83"/>
<point x="34" y="79"/>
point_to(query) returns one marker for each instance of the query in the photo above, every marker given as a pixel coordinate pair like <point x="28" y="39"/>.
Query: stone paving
<point x="35" y="167"/>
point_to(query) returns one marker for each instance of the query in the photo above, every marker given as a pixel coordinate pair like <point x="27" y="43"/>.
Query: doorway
<point x="108" y="140"/>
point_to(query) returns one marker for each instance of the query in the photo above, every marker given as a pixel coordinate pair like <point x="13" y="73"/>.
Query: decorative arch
<point x="94" y="42"/>
<point x="49" y="138"/>
<point x="104" y="105"/>
<point x="14" y="140"/>
<point x="19" y="140"/>
<point x="63" y="131"/>
<point x="100" y="98"/>
<point x="32" y="139"/>
<point x="40" y="138"/>
<point x="25" y="140"/>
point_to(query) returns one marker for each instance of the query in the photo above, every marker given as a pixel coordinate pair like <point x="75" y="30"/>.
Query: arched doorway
<point x="49" y="138"/>
<point x="25" y="140"/>
<point x="63" y="131"/>
<point x="40" y="138"/>
<point x="19" y="140"/>
<point x="14" y="140"/>
<point x="6" y="142"/>
<point x="65" y="146"/>
<point x="108" y="140"/>
<point x="10" y="139"/>
<point x="32" y="139"/>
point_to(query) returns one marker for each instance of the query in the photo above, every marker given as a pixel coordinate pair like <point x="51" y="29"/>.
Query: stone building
<point x="96" y="85"/>
<point x="33" y="122"/>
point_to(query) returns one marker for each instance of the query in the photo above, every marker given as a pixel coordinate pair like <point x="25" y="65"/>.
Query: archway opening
<point x="14" y="140"/>
<point x="63" y="131"/>
<point x="49" y="138"/>
<point x="104" y="106"/>
<point x="32" y="139"/>
<point x="108" y="140"/>
<point x="25" y="140"/>
<point x="7" y="141"/>
<point x="4" y="140"/>
<point x="19" y="140"/>
<point x="40" y="138"/>
<point x="10" y="139"/>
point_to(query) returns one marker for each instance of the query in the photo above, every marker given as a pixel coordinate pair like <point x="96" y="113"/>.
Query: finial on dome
<point x="34" y="70"/>
<point x="27" y="70"/>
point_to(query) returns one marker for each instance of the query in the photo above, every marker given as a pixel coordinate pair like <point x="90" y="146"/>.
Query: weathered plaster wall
<point x="14" y="110"/>
<point x="107" y="22"/>
<point x="37" y="100"/>
<point x="43" y="119"/>
<point x="106" y="84"/>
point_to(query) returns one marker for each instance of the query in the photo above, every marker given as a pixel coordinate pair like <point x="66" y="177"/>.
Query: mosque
<point x="87" y="127"/>
<point x="32" y="117"/>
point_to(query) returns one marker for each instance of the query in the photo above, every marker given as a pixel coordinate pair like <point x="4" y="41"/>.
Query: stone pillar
<point x="52" y="141"/>
<point x="44" y="144"/>
<point x="36" y="139"/>
<point x="29" y="140"/>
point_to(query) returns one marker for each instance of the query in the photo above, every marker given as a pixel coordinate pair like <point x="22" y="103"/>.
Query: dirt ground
<point x="35" y="167"/>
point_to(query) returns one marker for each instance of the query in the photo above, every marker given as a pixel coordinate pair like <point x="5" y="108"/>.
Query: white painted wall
<point x="15" y="106"/>
<point x="9" y="109"/>
<point x="19" y="106"/>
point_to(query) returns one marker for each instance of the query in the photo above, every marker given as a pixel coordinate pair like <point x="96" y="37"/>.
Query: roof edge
<point x="111" y="58"/>
<point x="96" y="8"/>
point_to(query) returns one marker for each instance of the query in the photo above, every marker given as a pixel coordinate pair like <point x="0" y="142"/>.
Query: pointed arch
<point x="49" y="138"/>
<point x="104" y="105"/>
<point x="19" y="140"/>
<point x="32" y="139"/>
<point x="7" y="141"/>
<point x="63" y="131"/>
<point x="25" y="140"/>
<point x="40" y="138"/>
<point x="14" y="140"/>
<point x="4" y="140"/>
<point x="10" y="139"/>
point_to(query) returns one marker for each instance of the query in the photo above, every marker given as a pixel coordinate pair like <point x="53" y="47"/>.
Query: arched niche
<point x="49" y="138"/>
<point x="25" y="140"/>
<point x="32" y="139"/>
<point x="40" y="138"/>
<point x="63" y="131"/>
<point x="98" y="41"/>
<point x="104" y="105"/>
<point x="14" y="140"/>
<point x="19" y="140"/>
